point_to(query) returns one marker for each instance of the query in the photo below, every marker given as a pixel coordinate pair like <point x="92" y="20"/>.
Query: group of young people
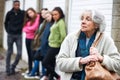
<point x="73" y="51"/>
<point x="53" y="33"/>
<point x="48" y="27"/>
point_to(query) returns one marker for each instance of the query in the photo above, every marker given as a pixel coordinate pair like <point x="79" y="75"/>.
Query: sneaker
<point x="37" y="77"/>
<point x="29" y="77"/>
<point x="8" y="72"/>
<point x="58" y="78"/>
<point x="25" y="73"/>
<point x="12" y="71"/>
<point x="22" y="74"/>
<point x="44" y="78"/>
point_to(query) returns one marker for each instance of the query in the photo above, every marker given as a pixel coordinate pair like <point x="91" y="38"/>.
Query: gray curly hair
<point x="98" y="19"/>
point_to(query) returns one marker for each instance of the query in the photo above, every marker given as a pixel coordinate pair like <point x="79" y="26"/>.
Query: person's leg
<point x="45" y="74"/>
<point x="35" y="68"/>
<point x="10" y="42"/>
<point x="29" y="52"/>
<point x="52" y="72"/>
<point x="18" y="40"/>
<point x="38" y="71"/>
<point x="49" y="62"/>
<point x="39" y="57"/>
<point x="43" y="70"/>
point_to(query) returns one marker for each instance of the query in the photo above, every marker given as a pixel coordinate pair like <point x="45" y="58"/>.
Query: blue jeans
<point x="35" y="68"/>
<point x="10" y="41"/>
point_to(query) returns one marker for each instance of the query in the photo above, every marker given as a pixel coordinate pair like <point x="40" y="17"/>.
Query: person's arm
<point x="6" y="21"/>
<point x="62" y="29"/>
<point x="33" y="28"/>
<point x="111" y="55"/>
<point x="66" y="60"/>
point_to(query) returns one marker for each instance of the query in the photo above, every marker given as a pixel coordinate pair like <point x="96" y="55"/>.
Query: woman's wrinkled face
<point x="87" y="24"/>
<point x="30" y="13"/>
<point x="56" y="15"/>
<point x="48" y="17"/>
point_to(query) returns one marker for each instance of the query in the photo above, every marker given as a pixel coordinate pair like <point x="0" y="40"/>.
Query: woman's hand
<point x="94" y="56"/>
<point x="94" y="51"/>
<point x="88" y="59"/>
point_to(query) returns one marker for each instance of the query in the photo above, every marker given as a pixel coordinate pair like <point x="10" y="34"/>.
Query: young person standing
<point x="31" y="24"/>
<point x="13" y="26"/>
<point x="57" y="35"/>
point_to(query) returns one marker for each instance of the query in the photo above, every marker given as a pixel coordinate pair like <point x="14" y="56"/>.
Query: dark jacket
<point x="44" y="39"/>
<point x="14" y="21"/>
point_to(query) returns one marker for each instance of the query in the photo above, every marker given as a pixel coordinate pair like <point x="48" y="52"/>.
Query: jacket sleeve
<point x="6" y="21"/>
<point x="64" y="61"/>
<point x="111" y="55"/>
<point x="62" y="29"/>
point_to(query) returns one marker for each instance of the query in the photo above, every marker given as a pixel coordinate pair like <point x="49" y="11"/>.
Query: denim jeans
<point x="35" y="69"/>
<point x="10" y="41"/>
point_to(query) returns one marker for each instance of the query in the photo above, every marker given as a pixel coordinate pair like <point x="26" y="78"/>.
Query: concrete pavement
<point x="22" y="66"/>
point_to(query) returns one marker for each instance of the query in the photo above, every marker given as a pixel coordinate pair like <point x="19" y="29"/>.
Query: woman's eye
<point x="89" y="19"/>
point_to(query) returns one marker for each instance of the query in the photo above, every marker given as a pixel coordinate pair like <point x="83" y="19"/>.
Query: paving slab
<point x="21" y="67"/>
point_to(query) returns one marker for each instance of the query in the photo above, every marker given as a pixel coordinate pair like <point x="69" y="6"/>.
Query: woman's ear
<point x="96" y="26"/>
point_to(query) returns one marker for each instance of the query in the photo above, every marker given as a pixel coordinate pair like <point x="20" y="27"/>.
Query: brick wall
<point x="2" y="3"/>
<point x="116" y="23"/>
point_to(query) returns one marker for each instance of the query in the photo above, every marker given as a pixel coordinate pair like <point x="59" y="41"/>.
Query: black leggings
<point x="49" y="62"/>
<point x="30" y="53"/>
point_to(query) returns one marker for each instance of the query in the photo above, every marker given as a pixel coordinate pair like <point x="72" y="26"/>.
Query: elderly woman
<point x="74" y="53"/>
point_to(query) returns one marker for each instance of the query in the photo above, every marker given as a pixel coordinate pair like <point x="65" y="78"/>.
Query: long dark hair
<point x="41" y="18"/>
<point x="60" y="12"/>
<point x="27" y="18"/>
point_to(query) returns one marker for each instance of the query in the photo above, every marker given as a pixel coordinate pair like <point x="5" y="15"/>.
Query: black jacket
<point x="14" y="21"/>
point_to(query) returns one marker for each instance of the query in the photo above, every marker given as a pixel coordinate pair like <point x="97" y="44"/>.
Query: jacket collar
<point x="78" y="33"/>
<point x="12" y="10"/>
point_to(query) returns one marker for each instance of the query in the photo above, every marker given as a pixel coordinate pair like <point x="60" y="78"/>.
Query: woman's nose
<point x="83" y="21"/>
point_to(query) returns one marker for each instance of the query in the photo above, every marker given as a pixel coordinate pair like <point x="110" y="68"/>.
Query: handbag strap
<point x="97" y="40"/>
